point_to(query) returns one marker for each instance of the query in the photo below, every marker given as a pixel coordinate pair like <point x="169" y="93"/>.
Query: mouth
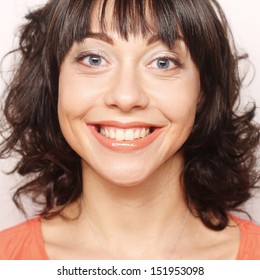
<point x="125" y="137"/>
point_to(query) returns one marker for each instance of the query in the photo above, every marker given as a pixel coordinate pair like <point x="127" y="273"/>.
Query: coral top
<point x="25" y="241"/>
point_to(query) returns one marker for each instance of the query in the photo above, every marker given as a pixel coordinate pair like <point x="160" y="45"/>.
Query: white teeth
<point x="124" y="134"/>
<point x="137" y="134"/>
<point x="120" y="136"/>
<point x="107" y="133"/>
<point x="112" y="134"/>
<point x="129" y="135"/>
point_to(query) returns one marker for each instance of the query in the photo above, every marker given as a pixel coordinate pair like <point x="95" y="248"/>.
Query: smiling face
<point x="127" y="106"/>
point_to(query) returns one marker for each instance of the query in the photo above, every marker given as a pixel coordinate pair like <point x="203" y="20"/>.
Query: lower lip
<point x="125" y="146"/>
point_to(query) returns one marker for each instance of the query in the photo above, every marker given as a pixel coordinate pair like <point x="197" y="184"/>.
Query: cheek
<point x="71" y="105"/>
<point x="79" y="93"/>
<point x="183" y="108"/>
<point x="70" y="99"/>
<point x="178" y="97"/>
<point x="179" y="102"/>
<point x="76" y="95"/>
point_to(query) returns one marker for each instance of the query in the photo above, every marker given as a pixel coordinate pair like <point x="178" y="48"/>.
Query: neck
<point x="140" y="216"/>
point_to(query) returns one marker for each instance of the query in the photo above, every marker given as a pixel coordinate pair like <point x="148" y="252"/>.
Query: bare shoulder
<point x="201" y="242"/>
<point x="239" y="240"/>
<point x="63" y="239"/>
<point x="54" y="232"/>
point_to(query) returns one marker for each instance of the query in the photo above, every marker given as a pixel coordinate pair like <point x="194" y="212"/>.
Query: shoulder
<point x="249" y="239"/>
<point x="23" y="241"/>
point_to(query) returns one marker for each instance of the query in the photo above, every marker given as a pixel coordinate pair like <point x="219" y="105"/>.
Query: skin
<point x="128" y="87"/>
<point x="132" y="202"/>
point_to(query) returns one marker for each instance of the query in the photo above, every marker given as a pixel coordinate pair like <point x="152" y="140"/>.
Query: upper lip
<point x="125" y="125"/>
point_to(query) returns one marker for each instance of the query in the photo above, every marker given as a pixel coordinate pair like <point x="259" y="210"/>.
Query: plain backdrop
<point x="245" y="23"/>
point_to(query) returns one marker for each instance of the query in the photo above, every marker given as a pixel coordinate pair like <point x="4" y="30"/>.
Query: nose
<point x="127" y="92"/>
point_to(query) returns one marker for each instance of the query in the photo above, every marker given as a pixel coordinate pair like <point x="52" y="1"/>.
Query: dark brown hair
<point x="219" y="155"/>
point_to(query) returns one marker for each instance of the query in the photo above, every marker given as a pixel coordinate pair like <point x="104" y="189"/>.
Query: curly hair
<point x="220" y="154"/>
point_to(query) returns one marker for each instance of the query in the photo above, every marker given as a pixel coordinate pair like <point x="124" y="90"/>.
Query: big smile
<point x="124" y="137"/>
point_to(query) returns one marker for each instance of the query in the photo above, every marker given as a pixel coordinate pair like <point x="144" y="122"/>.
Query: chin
<point x="127" y="183"/>
<point x="127" y="179"/>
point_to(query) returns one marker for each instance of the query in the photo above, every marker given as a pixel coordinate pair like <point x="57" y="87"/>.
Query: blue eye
<point x="163" y="63"/>
<point x="94" y="60"/>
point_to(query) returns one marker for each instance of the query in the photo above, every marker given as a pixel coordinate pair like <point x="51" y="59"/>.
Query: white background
<point x="245" y="22"/>
<point x="57" y="270"/>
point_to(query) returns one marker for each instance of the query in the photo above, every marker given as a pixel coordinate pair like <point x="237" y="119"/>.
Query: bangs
<point x="141" y="17"/>
<point x="74" y="19"/>
<point x="197" y="22"/>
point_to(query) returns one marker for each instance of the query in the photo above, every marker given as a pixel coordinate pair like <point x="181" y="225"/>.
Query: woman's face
<point x="127" y="107"/>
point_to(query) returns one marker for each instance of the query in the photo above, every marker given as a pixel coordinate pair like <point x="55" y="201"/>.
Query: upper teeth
<point x="124" y="134"/>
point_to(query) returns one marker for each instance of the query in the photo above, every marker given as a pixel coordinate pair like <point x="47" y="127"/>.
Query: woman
<point x="124" y="115"/>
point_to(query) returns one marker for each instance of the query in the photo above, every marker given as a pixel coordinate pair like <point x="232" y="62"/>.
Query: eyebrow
<point x="154" y="38"/>
<point x="100" y="36"/>
<point x="106" y="38"/>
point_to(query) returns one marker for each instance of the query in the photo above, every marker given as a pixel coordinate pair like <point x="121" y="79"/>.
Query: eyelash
<point x="170" y="58"/>
<point x="86" y="54"/>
